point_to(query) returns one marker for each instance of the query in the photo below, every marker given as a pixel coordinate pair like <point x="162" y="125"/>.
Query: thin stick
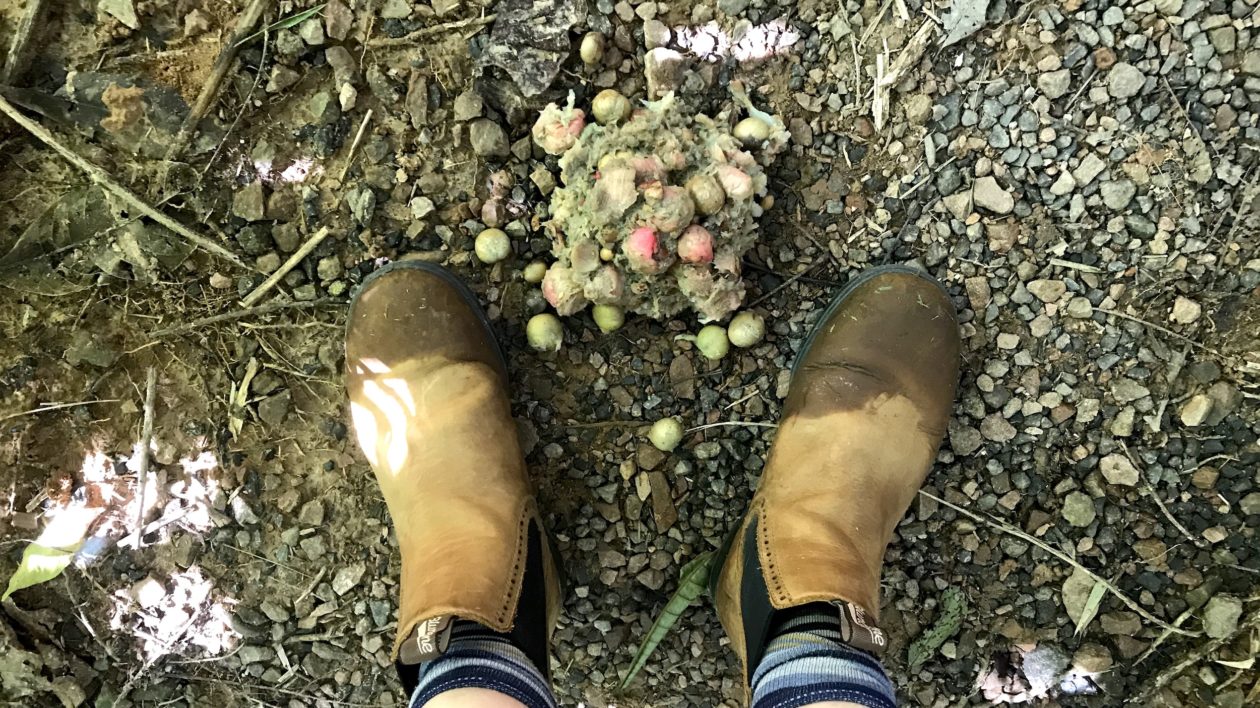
<point x="15" y="62"/>
<point x="237" y="315"/>
<point x="210" y="91"/>
<point x="1160" y="502"/>
<point x="55" y="407"/>
<point x="354" y="146"/>
<point x="1006" y="528"/>
<point x="735" y="423"/>
<point x="294" y="260"/>
<point x="1158" y="328"/>
<point x="262" y="64"/>
<point x="146" y="439"/>
<point x="782" y="285"/>
<point x="107" y="183"/>
<point x="429" y="31"/>
<point x="1193" y="658"/>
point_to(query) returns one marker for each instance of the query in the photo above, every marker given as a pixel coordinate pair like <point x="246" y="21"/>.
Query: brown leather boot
<point x="871" y="395"/>
<point x="428" y="397"/>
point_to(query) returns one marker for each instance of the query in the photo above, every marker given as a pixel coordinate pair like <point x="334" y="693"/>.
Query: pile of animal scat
<point x="658" y="204"/>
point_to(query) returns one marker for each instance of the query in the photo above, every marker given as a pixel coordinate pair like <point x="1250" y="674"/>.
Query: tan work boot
<point x="428" y="397"/>
<point x="870" y="398"/>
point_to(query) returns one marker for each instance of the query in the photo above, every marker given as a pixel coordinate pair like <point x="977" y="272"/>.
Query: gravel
<point x="1079" y="175"/>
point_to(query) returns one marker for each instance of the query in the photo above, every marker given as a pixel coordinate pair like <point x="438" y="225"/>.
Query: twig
<point x="107" y="183"/>
<point x="1167" y="675"/>
<point x="294" y="260"/>
<point x="146" y="439"/>
<point x="1006" y="528"/>
<point x="15" y="62"/>
<point x="55" y="407"/>
<point x="738" y="423"/>
<point x="1158" y="328"/>
<point x="1160" y="502"/>
<point x="237" y="315"/>
<point x="354" y="146"/>
<point x="262" y="64"/>
<point x="1073" y="265"/>
<point x="210" y="91"/>
<point x="429" y="31"/>
<point x="782" y="285"/>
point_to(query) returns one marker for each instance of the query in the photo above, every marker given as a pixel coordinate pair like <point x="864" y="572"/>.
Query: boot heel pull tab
<point x="859" y="631"/>
<point x="428" y="640"/>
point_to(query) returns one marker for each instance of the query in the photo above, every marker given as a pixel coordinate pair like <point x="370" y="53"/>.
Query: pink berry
<point x="695" y="245"/>
<point x="640" y="247"/>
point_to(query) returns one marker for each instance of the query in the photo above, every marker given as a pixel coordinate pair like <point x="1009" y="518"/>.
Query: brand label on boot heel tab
<point x="428" y="640"/>
<point x="858" y="630"/>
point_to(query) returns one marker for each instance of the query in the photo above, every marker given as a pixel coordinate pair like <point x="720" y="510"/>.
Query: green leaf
<point x="39" y="565"/>
<point x="1096" y="595"/>
<point x="284" y="23"/>
<point x="953" y="607"/>
<point x="691" y="584"/>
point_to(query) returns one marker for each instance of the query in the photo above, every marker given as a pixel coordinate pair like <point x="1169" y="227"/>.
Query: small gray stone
<point x="1125" y="80"/>
<point x="1224" y="39"/>
<point x="1080" y="308"/>
<point x="338" y="19"/>
<point x="329" y="268"/>
<point x="274" y="409"/>
<point x="396" y="10"/>
<point x="488" y="138"/>
<point x="733" y="7"/>
<point x="988" y="194"/>
<point x="250" y="654"/>
<point x="964" y="439"/>
<point x="1250" y="504"/>
<point x="422" y="207"/>
<point x="996" y="428"/>
<point x="1118" y="470"/>
<point x="312" y="513"/>
<point x="242" y="512"/>
<point x="1055" y="84"/>
<point x="274" y="610"/>
<point x="347" y="577"/>
<point x="1220" y="617"/>
<point x="1089" y="168"/>
<point x="312" y="32"/>
<point x="250" y="203"/>
<point x="468" y="105"/>
<point x="1185" y="311"/>
<point x="1063" y="185"/>
<point x="1196" y="410"/>
<point x="1117" y="194"/>
<point x="1047" y="290"/>
<point x="1078" y="509"/>
<point x="1126" y="390"/>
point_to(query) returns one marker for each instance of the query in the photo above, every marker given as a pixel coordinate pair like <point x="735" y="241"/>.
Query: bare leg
<point x="485" y="698"/>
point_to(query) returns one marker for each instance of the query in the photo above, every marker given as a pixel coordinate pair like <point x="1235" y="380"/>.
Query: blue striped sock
<point x="807" y="662"/>
<point x="478" y="657"/>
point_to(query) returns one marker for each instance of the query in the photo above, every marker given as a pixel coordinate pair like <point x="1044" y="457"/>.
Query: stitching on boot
<point x="767" y="562"/>
<point x="507" y="612"/>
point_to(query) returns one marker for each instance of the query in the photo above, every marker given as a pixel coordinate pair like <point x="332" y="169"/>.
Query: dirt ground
<point x="1105" y="431"/>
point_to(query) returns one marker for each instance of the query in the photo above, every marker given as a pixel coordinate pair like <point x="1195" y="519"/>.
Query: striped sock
<point x="807" y="662"/>
<point x="478" y="657"/>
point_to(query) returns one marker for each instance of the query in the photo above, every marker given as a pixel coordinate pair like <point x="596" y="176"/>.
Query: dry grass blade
<point x="1011" y="530"/>
<point x="55" y="407"/>
<point x="1092" y="603"/>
